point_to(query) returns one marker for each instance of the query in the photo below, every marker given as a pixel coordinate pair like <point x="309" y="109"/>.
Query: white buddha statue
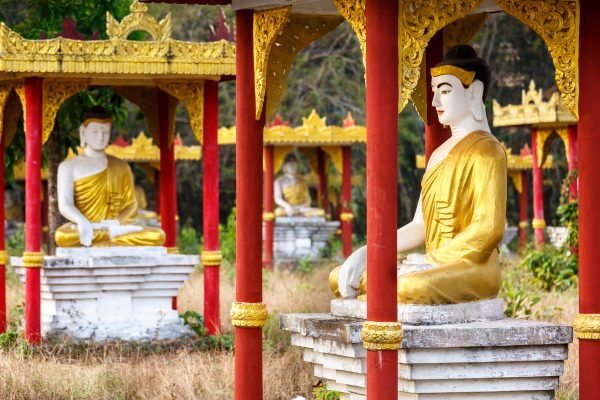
<point x="96" y="194"/>
<point x="461" y="213"/>
<point x="291" y="193"/>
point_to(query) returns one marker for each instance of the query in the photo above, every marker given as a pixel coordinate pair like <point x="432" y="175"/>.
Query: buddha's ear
<point x="477" y="105"/>
<point x="82" y="136"/>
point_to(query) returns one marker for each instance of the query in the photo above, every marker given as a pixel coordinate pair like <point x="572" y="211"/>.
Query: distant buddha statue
<point x="461" y="214"/>
<point x="142" y="213"/>
<point x="291" y="193"/>
<point x="96" y="194"/>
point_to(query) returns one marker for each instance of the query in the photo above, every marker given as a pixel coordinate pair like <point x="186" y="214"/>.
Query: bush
<point x="227" y="238"/>
<point x="552" y="268"/>
<point x="188" y="241"/>
<point x="320" y="392"/>
<point x="195" y="321"/>
<point x="517" y="303"/>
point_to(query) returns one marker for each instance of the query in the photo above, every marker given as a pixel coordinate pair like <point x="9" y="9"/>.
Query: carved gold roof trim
<point x="143" y="149"/>
<point x="191" y="95"/>
<point x="418" y="21"/>
<point x="117" y="55"/>
<point x="557" y="22"/>
<point x="54" y="93"/>
<point x="354" y="11"/>
<point x="298" y="32"/>
<point x="268" y="24"/>
<point x="533" y="110"/>
<point x="314" y="131"/>
<point x="463" y="30"/>
<point x="5" y="90"/>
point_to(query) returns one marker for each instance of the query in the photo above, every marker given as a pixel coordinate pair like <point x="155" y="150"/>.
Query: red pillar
<point x="382" y="181"/>
<point x="3" y="257"/>
<point x="524" y="211"/>
<point x="589" y="193"/>
<point x="32" y="257"/>
<point x="538" y="194"/>
<point x="168" y="188"/>
<point x="323" y="187"/>
<point x="573" y="155"/>
<point x="268" y="216"/>
<point x="435" y="133"/>
<point x="249" y="146"/>
<point x="211" y="255"/>
<point x="346" y="214"/>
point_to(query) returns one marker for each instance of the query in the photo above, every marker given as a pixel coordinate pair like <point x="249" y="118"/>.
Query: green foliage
<point x="227" y="238"/>
<point x="188" y="241"/>
<point x="552" y="268"/>
<point x="333" y="248"/>
<point x="517" y="301"/>
<point x="8" y="339"/>
<point x="195" y="321"/>
<point x="320" y="392"/>
<point x="568" y="215"/>
<point x="305" y="265"/>
<point x="15" y="244"/>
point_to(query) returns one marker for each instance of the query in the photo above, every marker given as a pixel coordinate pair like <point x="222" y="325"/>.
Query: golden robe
<point x="109" y="194"/>
<point x="297" y="195"/>
<point x="464" y="208"/>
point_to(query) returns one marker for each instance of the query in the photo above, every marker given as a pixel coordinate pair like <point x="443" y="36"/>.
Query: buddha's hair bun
<point x="465" y="57"/>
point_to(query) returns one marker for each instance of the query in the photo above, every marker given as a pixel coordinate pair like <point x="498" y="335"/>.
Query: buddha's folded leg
<point x="146" y="237"/>
<point x="334" y="276"/>
<point x="280" y="212"/>
<point x="451" y="284"/>
<point x="67" y="235"/>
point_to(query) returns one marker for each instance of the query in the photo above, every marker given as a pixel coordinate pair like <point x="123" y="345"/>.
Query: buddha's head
<point x="290" y="165"/>
<point x="460" y="85"/>
<point x="94" y="131"/>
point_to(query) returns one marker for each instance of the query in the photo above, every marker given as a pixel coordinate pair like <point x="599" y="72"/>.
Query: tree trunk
<point x="54" y="157"/>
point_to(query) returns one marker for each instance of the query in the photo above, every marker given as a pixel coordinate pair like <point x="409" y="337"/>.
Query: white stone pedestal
<point x="296" y="238"/>
<point x="112" y="293"/>
<point x="501" y="359"/>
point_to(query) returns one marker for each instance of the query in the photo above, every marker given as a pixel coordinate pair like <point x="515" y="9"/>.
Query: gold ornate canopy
<point x="551" y="118"/>
<point x="136" y="69"/>
<point x="278" y="39"/>
<point x="312" y="134"/>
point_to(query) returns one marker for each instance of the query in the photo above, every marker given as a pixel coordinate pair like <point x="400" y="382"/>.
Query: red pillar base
<point x="33" y="321"/>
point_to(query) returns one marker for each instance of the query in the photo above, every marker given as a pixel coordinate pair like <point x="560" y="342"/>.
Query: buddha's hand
<point x="289" y="210"/>
<point x="86" y="232"/>
<point x="350" y="272"/>
<point x="119" y="230"/>
<point x="416" y="259"/>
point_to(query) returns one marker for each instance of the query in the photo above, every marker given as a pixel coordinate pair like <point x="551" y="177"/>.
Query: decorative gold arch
<point x="463" y="30"/>
<point x="354" y="11"/>
<point x="5" y="90"/>
<point x="54" y="93"/>
<point x="545" y="137"/>
<point x="191" y="95"/>
<point x="557" y="22"/>
<point x="138" y="20"/>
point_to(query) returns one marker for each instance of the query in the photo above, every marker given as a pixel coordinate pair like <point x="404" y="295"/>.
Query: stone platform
<point x="112" y="293"/>
<point x="501" y="359"/>
<point x="296" y="238"/>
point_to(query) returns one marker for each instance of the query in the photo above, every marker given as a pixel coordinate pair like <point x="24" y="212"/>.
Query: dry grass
<point x="182" y="372"/>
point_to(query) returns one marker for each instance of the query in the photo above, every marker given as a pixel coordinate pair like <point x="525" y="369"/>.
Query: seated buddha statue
<point x="291" y="193"/>
<point x="96" y="193"/>
<point x="461" y="213"/>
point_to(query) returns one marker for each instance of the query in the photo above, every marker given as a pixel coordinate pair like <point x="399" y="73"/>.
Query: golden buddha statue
<point x="461" y="214"/>
<point x="96" y="194"/>
<point x="291" y="193"/>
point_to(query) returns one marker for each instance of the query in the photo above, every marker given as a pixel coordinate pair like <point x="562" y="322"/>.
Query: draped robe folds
<point x="298" y="195"/>
<point x="464" y="209"/>
<point x="108" y="195"/>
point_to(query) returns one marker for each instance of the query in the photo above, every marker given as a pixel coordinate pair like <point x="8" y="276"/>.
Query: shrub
<point x="227" y="238"/>
<point x="517" y="303"/>
<point x="552" y="268"/>
<point x="320" y="392"/>
<point x="188" y="241"/>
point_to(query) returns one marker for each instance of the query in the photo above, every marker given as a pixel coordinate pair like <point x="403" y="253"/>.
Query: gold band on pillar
<point x="538" y="223"/>
<point x="172" y="250"/>
<point x="268" y="216"/>
<point x="248" y="315"/>
<point x="346" y="216"/>
<point x="3" y="257"/>
<point x="381" y="335"/>
<point x="211" y="257"/>
<point x="587" y="326"/>
<point x="33" y="259"/>
<point x="523" y="224"/>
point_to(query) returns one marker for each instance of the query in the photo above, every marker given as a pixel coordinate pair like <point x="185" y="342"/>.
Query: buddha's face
<point x="450" y="99"/>
<point x="290" y="167"/>
<point x="95" y="135"/>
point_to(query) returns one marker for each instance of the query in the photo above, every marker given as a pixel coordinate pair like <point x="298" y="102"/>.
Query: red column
<point x="323" y="187"/>
<point x="249" y="145"/>
<point x="435" y="133"/>
<point x="168" y="188"/>
<point x="157" y="191"/>
<point x="573" y="155"/>
<point x="524" y="211"/>
<point x="3" y="257"/>
<point x="33" y="195"/>
<point x="382" y="181"/>
<point x="589" y="193"/>
<point x="268" y="216"/>
<point x="346" y="214"/>
<point x="211" y="253"/>
<point x="538" y="194"/>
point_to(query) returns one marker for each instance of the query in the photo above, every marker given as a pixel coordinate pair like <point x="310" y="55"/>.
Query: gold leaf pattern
<point x="354" y="11"/>
<point x="381" y="335"/>
<point x="587" y="326"/>
<point x="248" y="315"/>
<point x="191" y="95"/>
<point x="55" y="92"/>
<point x="557" y="22"/>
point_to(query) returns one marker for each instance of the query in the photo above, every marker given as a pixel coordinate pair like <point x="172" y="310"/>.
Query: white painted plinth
<point x="112" y="293"/>
<point x="503" y="359"/>
<point x="422" y="314"/>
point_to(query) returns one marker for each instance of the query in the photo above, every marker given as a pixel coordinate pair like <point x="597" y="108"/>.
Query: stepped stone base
<point x="502" y="359"/>
<point x="296" y="238"/>
<point x="111" y="293"/>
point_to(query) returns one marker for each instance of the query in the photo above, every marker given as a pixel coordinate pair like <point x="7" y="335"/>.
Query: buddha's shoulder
<point x="485" y="144"/>
<point x="115" y="164"/>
